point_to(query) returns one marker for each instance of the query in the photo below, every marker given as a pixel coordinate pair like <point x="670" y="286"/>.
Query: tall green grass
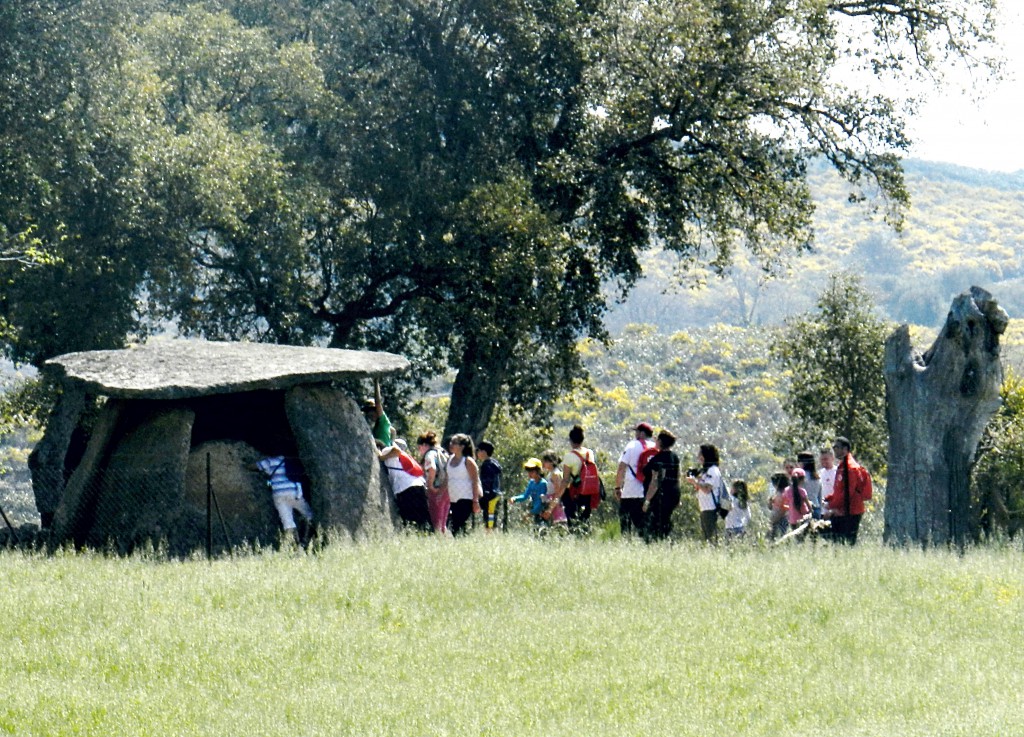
<point x="510" y="635"/>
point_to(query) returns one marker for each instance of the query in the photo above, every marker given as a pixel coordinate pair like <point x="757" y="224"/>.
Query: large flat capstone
<point x="179" y="369"/>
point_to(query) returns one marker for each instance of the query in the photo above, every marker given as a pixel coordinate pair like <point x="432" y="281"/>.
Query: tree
<point x="358" y="141"/>
<point x="61" y="181"/>
<point x="997" y="483"/>
<point x="937" y="406"/>
<point x="833" y="357"/>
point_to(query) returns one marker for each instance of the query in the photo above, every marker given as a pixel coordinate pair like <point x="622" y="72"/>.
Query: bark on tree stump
<point x="937" y="406"/>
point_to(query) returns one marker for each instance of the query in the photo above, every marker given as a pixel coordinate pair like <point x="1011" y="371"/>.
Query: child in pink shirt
<point x="796" y="510"/>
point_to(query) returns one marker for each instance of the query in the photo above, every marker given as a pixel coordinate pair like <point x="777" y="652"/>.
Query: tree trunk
<point x="477" y="389"/>
<point x="937" y="406"/>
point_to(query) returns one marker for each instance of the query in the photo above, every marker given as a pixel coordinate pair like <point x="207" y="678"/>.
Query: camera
<point x="692" y="473"/>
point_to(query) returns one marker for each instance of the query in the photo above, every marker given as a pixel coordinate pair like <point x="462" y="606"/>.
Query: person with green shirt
<point x="373" y="410"/>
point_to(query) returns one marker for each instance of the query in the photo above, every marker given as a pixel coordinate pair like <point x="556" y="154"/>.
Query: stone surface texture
<point x="239" y="490"/>
<point x="176" y="369"/>
<point x="47" y="459"/>
<point x="141" y="486"/>
<point x="337" y="449"/>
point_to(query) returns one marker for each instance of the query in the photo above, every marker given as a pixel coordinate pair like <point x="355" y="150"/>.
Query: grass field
<point x="515" y="636"/>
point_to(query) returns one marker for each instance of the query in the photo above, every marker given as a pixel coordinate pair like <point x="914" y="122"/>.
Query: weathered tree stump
<point x="937" y="406"/>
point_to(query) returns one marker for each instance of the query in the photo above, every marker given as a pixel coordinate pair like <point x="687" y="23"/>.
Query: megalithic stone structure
<point x="173" y="413"/>
<point x="937" y="406"/>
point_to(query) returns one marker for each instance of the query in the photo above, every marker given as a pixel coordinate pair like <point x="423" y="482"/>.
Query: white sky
<point x="986" y="133"/>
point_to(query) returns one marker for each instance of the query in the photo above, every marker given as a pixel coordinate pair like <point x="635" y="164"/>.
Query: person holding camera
<point x="705" y="481"/>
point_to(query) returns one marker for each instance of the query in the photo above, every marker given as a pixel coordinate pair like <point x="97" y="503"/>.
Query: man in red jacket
<point x="851" y="489"/>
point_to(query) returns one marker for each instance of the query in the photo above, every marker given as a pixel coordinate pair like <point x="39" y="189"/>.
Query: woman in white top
<point x="464" y="489"/>
<point x="707" y="484"/>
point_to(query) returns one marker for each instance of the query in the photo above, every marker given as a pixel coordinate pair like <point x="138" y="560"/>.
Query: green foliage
<point x="833" y="360"/>
<point x="404" y="637"/>
<point x="370" y="174"/>
<point x="23" y="405"/>
<point x="997" y="484"/>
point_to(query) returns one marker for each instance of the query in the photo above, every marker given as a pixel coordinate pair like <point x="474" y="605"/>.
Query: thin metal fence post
<point x="209" y="511"/>
<point x="223" y="524"/>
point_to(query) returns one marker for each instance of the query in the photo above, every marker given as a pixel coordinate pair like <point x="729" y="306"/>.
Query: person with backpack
<point x="435" y="468"/>
<point x="464" y="488"/>
<point x="284" y="474"/>
<point x="408" y="484"/>
<point x="707" y="483"/>
<point x="738" y="518"/>
<point x="629" y="479"/>
<point x="490" y="482"/>
<point x="851" y="489"/>
<point x="581" y="485"/>
<point x="662" y="492"/>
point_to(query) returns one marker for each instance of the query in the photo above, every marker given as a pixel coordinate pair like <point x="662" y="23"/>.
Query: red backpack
<point x="588" y="483"/>
<point x="641" y="463"/>
<point x="409" y="464"/>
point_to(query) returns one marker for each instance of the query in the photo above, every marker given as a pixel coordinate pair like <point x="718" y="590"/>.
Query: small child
<point x="777" y="510"/>
<point x="739" y="516"/>
<point x="794" y="499"/>
<point x="536" y="491"/>
<point x="552" y="464"/>
<point x="490" y="481"/>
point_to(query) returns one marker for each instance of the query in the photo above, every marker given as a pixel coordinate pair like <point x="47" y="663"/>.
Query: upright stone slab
<point x="238" y="493"/>
<point x="338" y="451"/>
<point x="47" y="459"/>
<point x="141" y="488"/>
<point x="76" y="510"/>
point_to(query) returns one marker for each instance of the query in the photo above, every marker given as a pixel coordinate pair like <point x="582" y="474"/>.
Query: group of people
<point x="647" y="486"/>
<point x="563" y="491"/>
<point x="833" y="489"/>
<point x="441" y="489"/>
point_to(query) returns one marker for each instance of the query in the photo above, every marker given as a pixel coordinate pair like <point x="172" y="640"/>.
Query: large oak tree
<point x="460" y="180"/>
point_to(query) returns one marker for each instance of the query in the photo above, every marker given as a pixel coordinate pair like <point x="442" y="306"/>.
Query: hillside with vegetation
<point x="964" y="227"/>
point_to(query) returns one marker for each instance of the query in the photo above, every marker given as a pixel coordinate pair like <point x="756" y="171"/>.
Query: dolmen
<point x="157" y="444"/>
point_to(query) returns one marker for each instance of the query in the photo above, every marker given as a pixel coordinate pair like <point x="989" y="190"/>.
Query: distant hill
<point x="964" y="227"/>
